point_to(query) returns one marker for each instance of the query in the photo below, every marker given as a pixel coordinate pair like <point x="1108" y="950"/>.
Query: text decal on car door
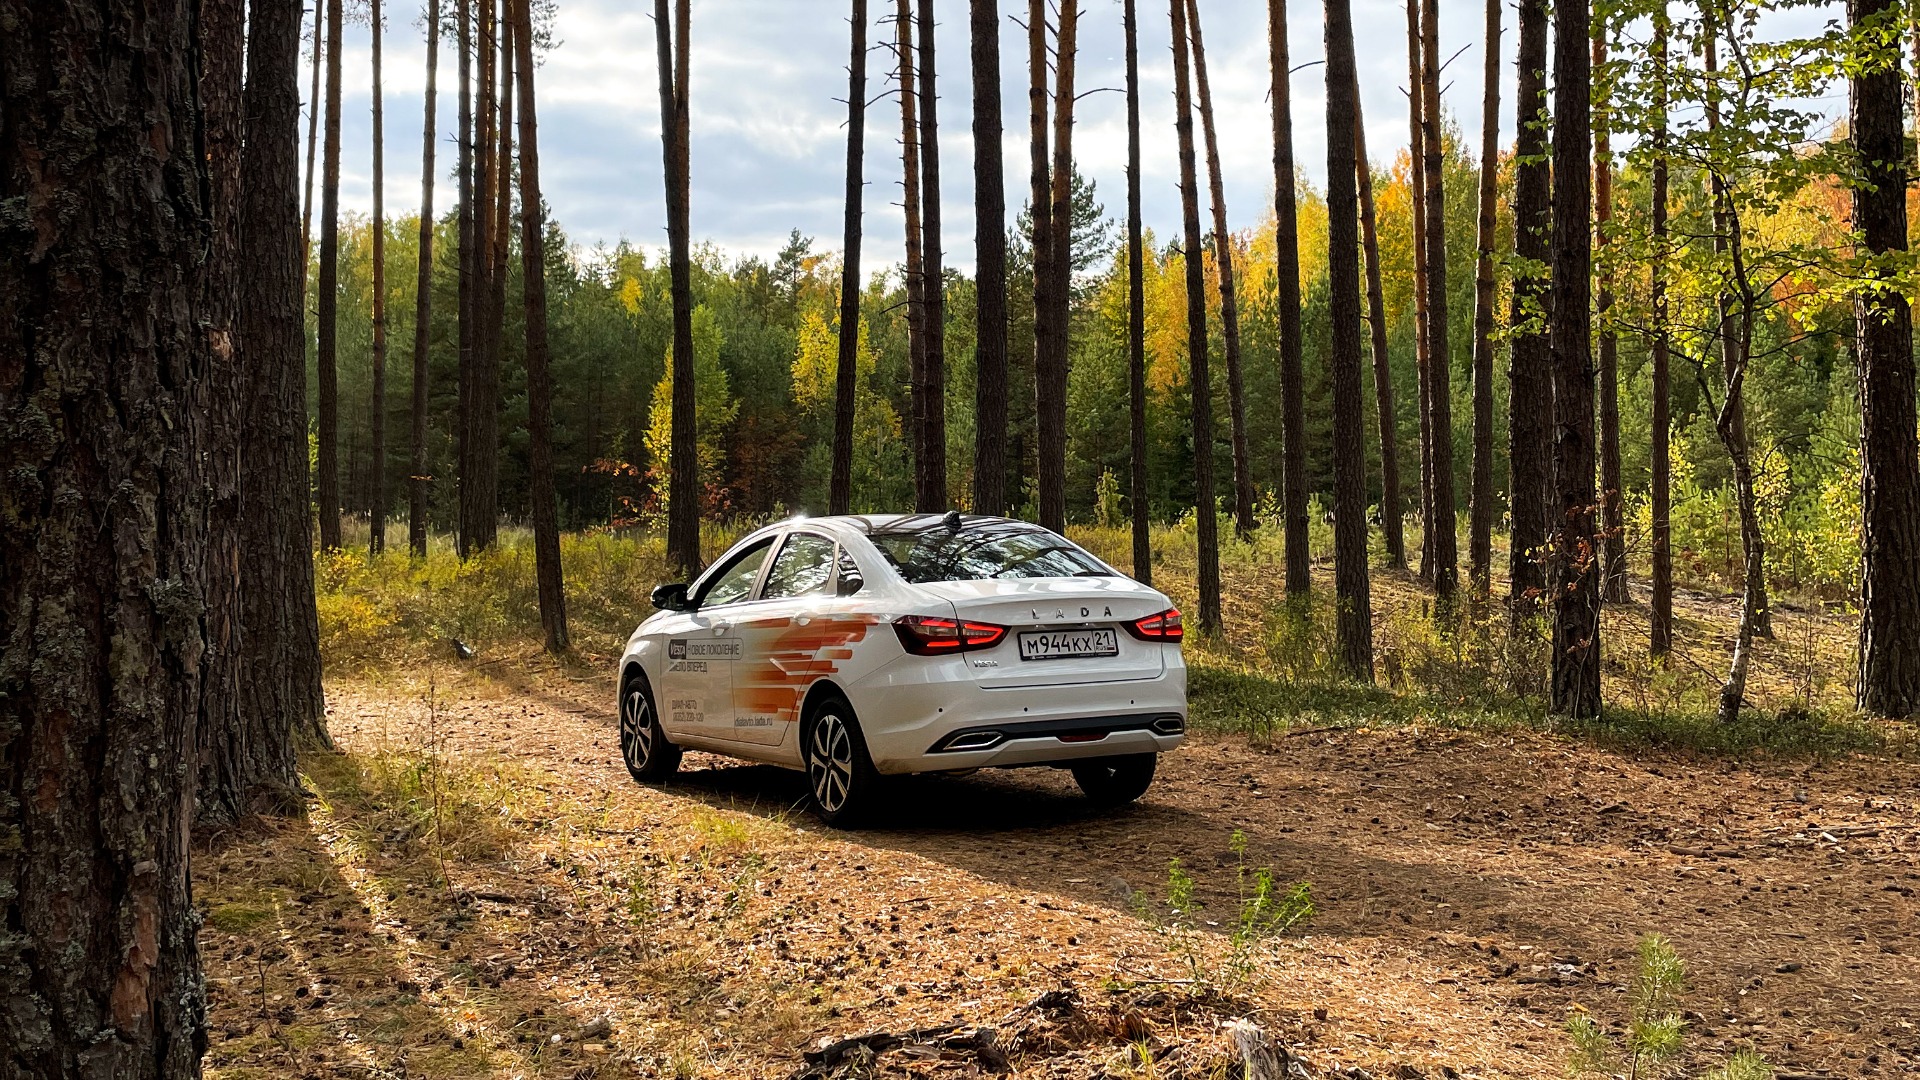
<point x="722" y="649"/>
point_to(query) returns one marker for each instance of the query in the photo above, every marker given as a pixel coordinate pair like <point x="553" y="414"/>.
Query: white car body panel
<point x="734" y="678"/>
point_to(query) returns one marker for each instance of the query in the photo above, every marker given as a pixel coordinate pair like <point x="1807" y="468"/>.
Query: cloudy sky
<point x="768" y="128"/>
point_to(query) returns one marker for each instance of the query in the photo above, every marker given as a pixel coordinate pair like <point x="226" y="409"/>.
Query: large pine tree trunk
<point x="377" y="531"/>
<point x="479" y="442"/>
<point x="1206" y="521"/>
<point x="1136" y="313"/>
<point x="1613" y="546"/>
<point x="417" y="478"/>
<point x="916" y="279"/>
<point x="933" y="321"/>
<point x="328" y="457"/>
<point x="1286" y="280"/>
<point x="533" y="276"/>
<point x="1392" y="512"/>
<point x="1446" y="555"/>
<point x="1352" y="591"/>
<point x="1576" y="570"/>
<point x="1417" y="167"/>
<point x="313" y="144"/>
<point x="1040" y="209"/>
<point x="103" y="428"/>
<point x="1481" y="498"/>
<point x="1223" y="268"/>
<point x="251" y="767"/>
<point x="846" y="373"/>
<point x="469" y="226"/>
<point x="683" y="485"/>
<point x="990" y="266"/>
<point x="1529" y="364"/>
<point x="496" y="211"/>
<point x="1660" y="494"/>
<point x="1051" y="376"/>
<point x="1890" y="473"/>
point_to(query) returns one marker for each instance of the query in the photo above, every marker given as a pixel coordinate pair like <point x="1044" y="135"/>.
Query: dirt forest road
<point x="1471" y="888"/>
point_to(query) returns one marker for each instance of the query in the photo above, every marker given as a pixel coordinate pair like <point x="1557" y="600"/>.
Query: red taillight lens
<point x="930" y="635"/>
<point x="1163" y="626"/>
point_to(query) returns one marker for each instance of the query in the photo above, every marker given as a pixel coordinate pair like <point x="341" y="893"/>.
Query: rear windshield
<point x="980" y="552"/>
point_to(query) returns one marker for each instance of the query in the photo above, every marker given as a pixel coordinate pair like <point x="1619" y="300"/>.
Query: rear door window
<point x="984" y="552"/>
<point x="803" y="567"/>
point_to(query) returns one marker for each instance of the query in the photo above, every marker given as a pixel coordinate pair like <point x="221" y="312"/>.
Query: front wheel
<point x="643" y="745"/>
<point x="1114" y="781"/>
<point x="840" y="774"/>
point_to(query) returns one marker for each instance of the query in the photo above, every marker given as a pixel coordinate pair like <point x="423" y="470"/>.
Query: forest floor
<point x="480" y="890"/>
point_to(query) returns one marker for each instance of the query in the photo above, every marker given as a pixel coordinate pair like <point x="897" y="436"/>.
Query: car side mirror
<point x="672" y="597"/>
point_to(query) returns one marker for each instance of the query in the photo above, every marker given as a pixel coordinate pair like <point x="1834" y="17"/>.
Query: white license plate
<point x="1068" y="644"/>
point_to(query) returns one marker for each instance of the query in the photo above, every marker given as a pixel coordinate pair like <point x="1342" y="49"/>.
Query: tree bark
<point x="1613" y="545"/>
<point x="469" y="234"/>
<point x="1576" y="564"/>
<point x="1446" y="556"/>
<point x="479" y="423"/>
<point x="417" y="478"/>
<point x="990" y="266"/>
<point x="1206" y="521"/>
<point x="1417" y="172"/>
<point x="1889" y="468"/>
<point x="1286" y="280"/>
<point x="1136" y="313"/>
<point x="1040" y="209"/>
<point x="1223" y="269"/>
<point x="377" y="530"/>
<point x="313" y="144"/>
<point x="1352" y="591"/>
<point x="1481" y="497"/>
<point x="683" y="498"/>
<point x="933" y="320"/>
<point x="328" y="461"/>
<point x="1660" y="494"/>
<point x="103" y="428"/>
<point x="1052" y="374"/>
<point x="1392" y="508"/>
<point x="497" y="212"/>
<point x="916" y="279"/>
<point x="846" y="373"/>
<point x="533" y="282"/>
<point x="1529" y="362"/>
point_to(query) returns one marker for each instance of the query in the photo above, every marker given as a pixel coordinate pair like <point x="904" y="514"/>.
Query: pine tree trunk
<point x="1206" y="520"/>
<point x="846" y="373"/>
<point x="328" y="460"/>
<point x="1446" y="556"/>
<point x="533" y="278"/>
<point x="103" y="427"/>
<point x="313" y="144"/>
<point x="916" y="279"/>
<point x="683" y="499"/>
<point x="497" y="211"/>
<point x="252" y="767"/>
<point x="1352" y="591"/>
<point x="990" y="266"/>
<point x="1051" y="376"/>
<point x="1660" y="494"/>
<point x="1040" y="209"/>
<point x="1481" y="497"/>
<point x="1613" y="547"/>
<point x="1890" y="472"/>
<point x="1392" y="509"/>
<point x="1136" y="313"/>
<point x="479" y="441"/>
<point x="417" y="478"/>
<point x="933" y="320"/>
<point x="1576" y="570"/>
<point x="1286" y="278"/>
<point x="1417" y="166"/>
<point x="1529" y="363"/>
<point x="469" y="233"/>
<point x="1223" y="269"/>
<point x="377" y="531"/>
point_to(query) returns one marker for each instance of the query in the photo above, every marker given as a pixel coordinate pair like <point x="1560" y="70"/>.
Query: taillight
<point x="930" y="635"/>
<point x="1161" y="626"/>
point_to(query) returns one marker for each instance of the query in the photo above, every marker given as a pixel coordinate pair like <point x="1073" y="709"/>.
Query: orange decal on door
<point x="771" y="684"/>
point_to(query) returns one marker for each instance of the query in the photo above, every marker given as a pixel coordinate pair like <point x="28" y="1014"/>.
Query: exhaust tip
<point x="974" y="740"/>
<point x="1169" y="725"/>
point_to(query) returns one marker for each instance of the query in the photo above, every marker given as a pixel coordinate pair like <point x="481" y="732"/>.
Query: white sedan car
<point x="858" y="647"/>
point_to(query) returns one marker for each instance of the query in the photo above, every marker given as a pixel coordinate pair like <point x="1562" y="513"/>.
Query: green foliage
<point x="1264" y="910"/>
<point x="1655" y="1031"/>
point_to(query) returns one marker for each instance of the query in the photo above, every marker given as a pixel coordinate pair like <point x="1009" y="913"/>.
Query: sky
<point x="769" y="121"/>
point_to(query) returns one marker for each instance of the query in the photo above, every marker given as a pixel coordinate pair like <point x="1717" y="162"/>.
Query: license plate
<point x="1068" y="644"/>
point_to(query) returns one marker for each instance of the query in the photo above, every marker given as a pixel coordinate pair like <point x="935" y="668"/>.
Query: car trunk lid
<point x="1058" y="609"/>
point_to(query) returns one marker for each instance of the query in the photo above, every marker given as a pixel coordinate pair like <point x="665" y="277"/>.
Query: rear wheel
<point x="1113" y="781"/>
<point x="840" y="774"/>
<point x="643" y="745"/>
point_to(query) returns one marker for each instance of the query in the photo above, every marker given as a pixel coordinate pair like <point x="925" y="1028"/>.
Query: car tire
<point x="643" y="744"/>
<point x="841" y="780"/>
<point x="1115" y="781"/>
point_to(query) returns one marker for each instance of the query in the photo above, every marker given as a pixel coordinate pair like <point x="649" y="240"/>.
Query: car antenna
<point x="952" y="520"/>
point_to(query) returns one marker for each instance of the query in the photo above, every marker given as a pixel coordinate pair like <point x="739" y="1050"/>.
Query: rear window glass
<point x="982" y="552"/>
